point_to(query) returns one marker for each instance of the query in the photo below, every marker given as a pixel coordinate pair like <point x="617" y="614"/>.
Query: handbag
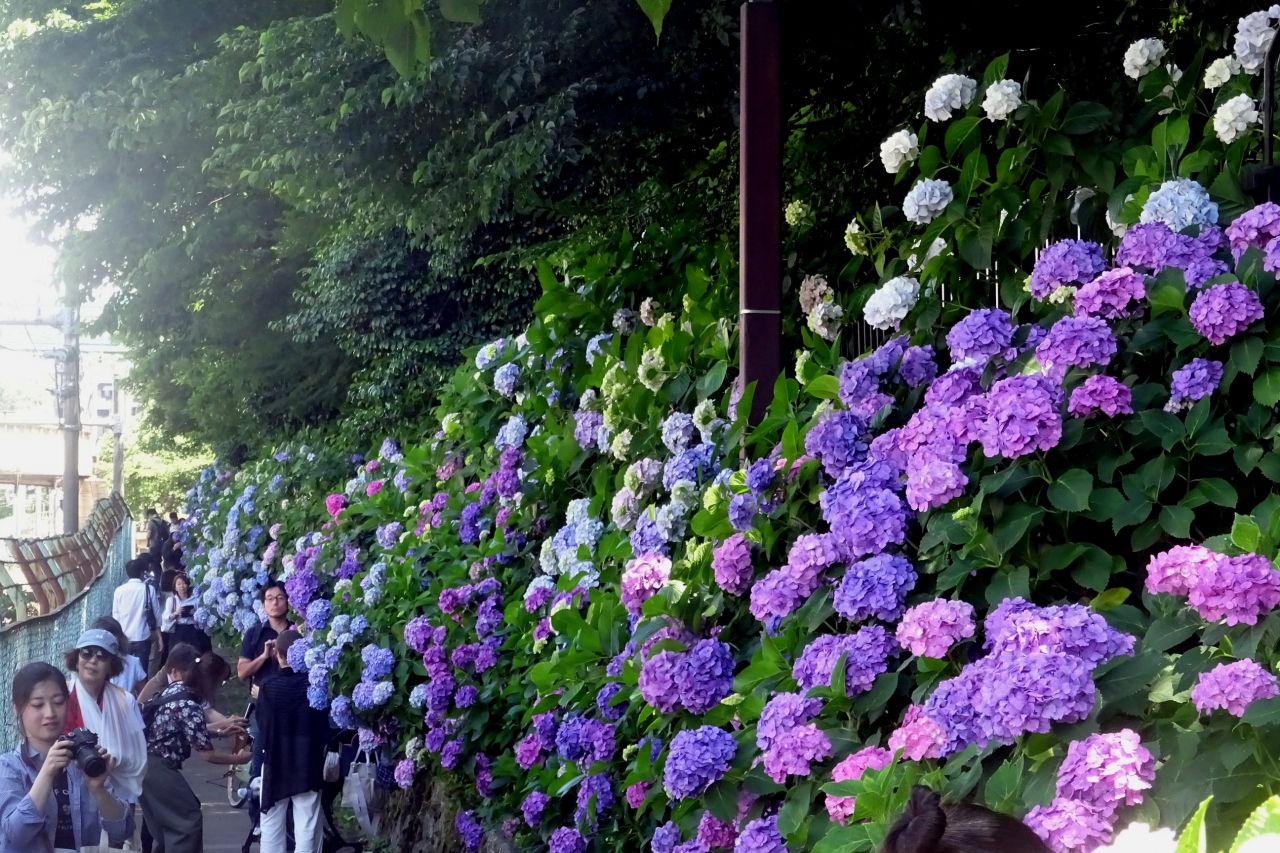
<point x="361" y="793"/>
<point x="332" y="766"/>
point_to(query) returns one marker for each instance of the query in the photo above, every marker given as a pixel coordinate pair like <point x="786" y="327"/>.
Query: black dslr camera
<point x="86" y="751"/>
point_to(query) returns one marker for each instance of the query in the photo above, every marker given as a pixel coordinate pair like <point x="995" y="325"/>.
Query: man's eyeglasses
<point x="276" y="599"/>
<point x="94" y="652"/>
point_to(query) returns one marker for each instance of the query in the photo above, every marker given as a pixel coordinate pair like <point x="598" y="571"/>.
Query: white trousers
<point x="306" y="824"/>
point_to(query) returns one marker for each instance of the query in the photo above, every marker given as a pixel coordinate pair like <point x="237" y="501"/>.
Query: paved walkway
<point x="225" y="828"/>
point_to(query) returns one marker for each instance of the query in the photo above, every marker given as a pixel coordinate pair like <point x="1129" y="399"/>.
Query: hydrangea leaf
<point x="1263" y="712"/>
<point x="1192" y="839"/>
<point x="1071" y="491"/>
<point x="1261" y="826"/>
<point x="1266" y="388"/>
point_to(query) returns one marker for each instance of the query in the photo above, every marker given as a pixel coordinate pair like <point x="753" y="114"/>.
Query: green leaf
<point x="1266" y="388"/>
<point x="1192" y="839"/>
<point x="792" y="445"/>
<point x="1085" y="116"/>
<point x="824" y="387"/>
<point x="1245" y="533"/>
<point x="1131" y="676"/>
<point x="959" y="131"/>
<point x="710" y="382"/>
<point x="1169" y="631"/>
<point x="1176" y="520"/>
<point x="1071" y="491"/>
<point x="855" y="838"/>
<point x="1219" y="491"/>
<point x="461" y="11"/>
<point x="1167" y="299"/>
<point x="1262" y="712"/>
<point x="1246" y="353"/>
<point x="1109" y="600"/>
<point x="1017" y="520"/>
<point x="795" y="809"/>
<point x="1263" y="824"/>
<point x="976" y="246"/>
<point x="655" y="11"/>
<point x="996" y="70"/>
<point x="1165" y="426"/>
<point x="1004" y="786"/>
<point x="1269" y="466"/>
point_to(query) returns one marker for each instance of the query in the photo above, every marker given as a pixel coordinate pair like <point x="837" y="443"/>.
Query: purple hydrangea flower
<point x="378" y="662"/>
<point x="1020" y="627"/>
<point x="706" y="676"/>
<point x="917" y="366"/>
<point x="1255" y="227"/>
<point x="793" y="752"/>
<point x="1104" y="394"/>
<point x="1175" y="571"/>
<point x="782" y="713"/>
<point x="529" y="751"/>
<point x="932" y="628"/>
<point x="695" y="465"/>
<point x="1236" y="590"/>
<point x="647" y="538"/>
<point x="1107" y="771"/>
<point x="838" y="441"/>
<point x="660" y="680"/>
<point x="742" y="511"/>
<point x="567" y="840"/>
<point x="982" y="334"/>
<point x="713" y="832"/>
<point x="780" y="593"/>
<point x="1224" y="311"/>
<point x="586" y="427"/>
<point x="1194" y="380"/>
<point x="643" y="577"/>
<point x="760" y="836"/>
<point x="1109" y="295"/>
<point x="604" y="701"/>
<point x="665" y="838"/>
<point x="1153" y="246"/>
<point x="1233" y="687"/>
<point x="1076" y="342"/>
<point x="731" y="562"/>
<point x="1022" y="416"/>
<point x="866" y="656"/>
<point x="595" y="797"/>
<point x="533" y="806"/>
<point x="678" y="432"/>
<point x="1019" y="693"/>
<point x="760" y="476"/>
<point x="466" y="696"/>
<point x="954" y="387"/>
<point x="697" y="758"/>
<point x="875" y="588"/>
<point x="1065" y="263"/>
<point x="933" y="483"/>
<point x="469" y="829"/>
<point x="1068" y="826"/>
<point x="865" y="516"/>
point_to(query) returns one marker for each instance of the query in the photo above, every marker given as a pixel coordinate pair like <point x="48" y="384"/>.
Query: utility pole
<point x="70" y="391"/>
<point x="760" y="203"/>
<point x="117" y="430"/>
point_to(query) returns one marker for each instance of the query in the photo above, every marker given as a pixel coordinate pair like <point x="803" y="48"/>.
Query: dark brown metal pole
<point x="760" y="204"/>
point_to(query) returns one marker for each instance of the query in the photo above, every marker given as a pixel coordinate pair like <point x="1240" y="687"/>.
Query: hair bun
<point x="922" y="823"/>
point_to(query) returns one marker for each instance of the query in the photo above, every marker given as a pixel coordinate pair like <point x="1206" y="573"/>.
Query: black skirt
<point x="183" y="633"/>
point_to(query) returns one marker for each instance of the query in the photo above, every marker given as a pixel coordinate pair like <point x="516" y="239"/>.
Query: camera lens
<point x="90" y="762"/>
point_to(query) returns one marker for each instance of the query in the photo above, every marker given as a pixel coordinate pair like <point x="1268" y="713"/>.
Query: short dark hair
<point x="109" y="623"/>
<point x="71" y="659"/>
<point x="285" y="640"/>
<point x="269" y="585"/>
<point x="927" y="825"/>
<point x="151" y="511"/>
<point x="135" y="569"/>
<point x="26" y="679"/>
<point x="210" y="673"/>
<point x="183" y="658"/>
<point x="173" y="515"/>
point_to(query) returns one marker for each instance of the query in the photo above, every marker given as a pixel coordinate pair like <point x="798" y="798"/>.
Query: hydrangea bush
<point x="1022" y="551"/>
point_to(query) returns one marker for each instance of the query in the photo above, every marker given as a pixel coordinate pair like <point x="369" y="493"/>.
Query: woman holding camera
<point x="47" y="801"/>
<point x="111" y="713"/>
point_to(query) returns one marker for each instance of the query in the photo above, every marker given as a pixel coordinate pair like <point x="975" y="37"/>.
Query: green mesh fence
<point x="52" y="589"/>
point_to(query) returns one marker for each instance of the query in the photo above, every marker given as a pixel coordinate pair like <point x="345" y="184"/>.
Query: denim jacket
<point x="21" y="826"/>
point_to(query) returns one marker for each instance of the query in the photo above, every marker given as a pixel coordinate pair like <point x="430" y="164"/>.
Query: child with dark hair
<point x="928" y="825"/>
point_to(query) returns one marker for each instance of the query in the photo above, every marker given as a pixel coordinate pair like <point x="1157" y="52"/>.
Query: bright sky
<point x="25" y="272"/>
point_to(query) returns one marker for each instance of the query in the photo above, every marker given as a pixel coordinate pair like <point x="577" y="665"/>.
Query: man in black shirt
<point x="293" y="736"/>
<point x="258" y="654"/>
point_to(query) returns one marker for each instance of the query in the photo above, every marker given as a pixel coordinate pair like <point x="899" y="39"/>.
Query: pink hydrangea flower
<point x="852" y="768"/>
<point x="643" y="577"/>
<point x="1175" y="570"/>
<point x="373" y="488"/>
<point x="918" y="737"/>
<point x="1107" y="771"/>
<point x="794" y="751"/>
<point x="1236" y="590"/>
<point x="932" y="628"/>
<point x="1069" y="826"/>
<point x="334" y="504"/>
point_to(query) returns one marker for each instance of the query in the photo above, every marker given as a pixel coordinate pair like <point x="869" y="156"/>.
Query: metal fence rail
<point x="52" y="589"/>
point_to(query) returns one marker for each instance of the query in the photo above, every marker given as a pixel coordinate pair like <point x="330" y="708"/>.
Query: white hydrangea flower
<point x="1003" y="98"/>
<point x="935" y="249"/>
<point x="1220" y="71"/>
<point x="1139" y="838"/>
<point x="926" y="200"/>
<point x="824" y="320"/>
<point x="1253" y="36"/>
<point x="898" y="150"/>
<point x="1180" y="203"/>
<point x="891" y="303"/>
<point x="797" y="213"/>
<point x="652" y="370"/>
<point x="1234" y="117"/>
<point x="1143" y="57"/>
<point x="578" y="511"/>
<point x="949" y="92"/>
<point x="620" y="447"/>
<point x="1175" y="75"/>
<point x="813" y="289"/>
<point x="854" y="238"/>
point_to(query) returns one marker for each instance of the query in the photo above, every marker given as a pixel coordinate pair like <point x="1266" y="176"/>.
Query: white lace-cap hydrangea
<point x="1220" y="71"/>
<point x="1140" y="838"/>
<point x="1253" y="36"/>
<point x="898" y="150"/>
<point x="824" y="320"/>
<point x="949" y="92"/>
<point x="891" y="303"/>
<point x="1143" y="57"/>
<point x="1180" y="203"/>
<point x="1003" y="97"/>
<point x="1233" y="118"/>
<point x="926" y="200"/>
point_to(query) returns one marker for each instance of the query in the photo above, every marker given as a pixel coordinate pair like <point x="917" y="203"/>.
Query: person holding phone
<point x="257" y="660"/>
<point x="47" y="802"/>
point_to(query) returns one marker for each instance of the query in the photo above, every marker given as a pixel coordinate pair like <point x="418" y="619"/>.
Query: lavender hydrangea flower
<point x="1021" y="627"/>
<point x="917" y="366"/>
<point x="567" y="840"/>
<point x="1076" y="342"/>
<point x="642" y="578"/>
<point x="875" y="588"/>
<point x="595" y="797"/>
<point x="604" y="701"/>
<point x="1224" y="311"/>
<point x="665" y="838"/>
<point x="731" y="563"/>
<point x="1065" y="263"/>
<point x="659" y="680"/>
<point x="794" y="751"/>
<point x="647" y="538"/>
<point x="1107" y="771"/>
<point x="838" y="441"/>
<point x="760" y="836"/>
<point x="1235" y="590"/>
<point x="954" y="387"/>
<point x="533" y="807"/>
<point x="1233" y="687"/>
<point x="706" y="676"/>
<point x="932" y="628"/>
<point x="318" y="614"/>
<point x="505" y="379"/>
<point x="782" y="713"/>
<point x="1099" y="393"/>
<point x="1069" y="825"/>
<point x="866" y="656"/>
<point x="1175" y="571"/>
<point x="697" y="758"/>
<point x="713" y="832"/>
<point x="469" y="829"/>
<point x="586" y="428"/>
<point x="1194" y="380"/>
<point x="1153" y="246"/>
<point x="1255" y="227"/>
<point x="742" y="511"/>
<point x="1022" y="416"/>
<point x="678" y="432"/>
<point x="780" y="593"/>
<point x="933" y="483"/>
<point x="1109" y="295"/>
<point x="982" y="334"/>
<point x="865" y="516"/>
<point x="695" y="465"/>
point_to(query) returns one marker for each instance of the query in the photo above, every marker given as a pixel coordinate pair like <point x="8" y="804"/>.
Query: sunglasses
<point x="94" y="652"/>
